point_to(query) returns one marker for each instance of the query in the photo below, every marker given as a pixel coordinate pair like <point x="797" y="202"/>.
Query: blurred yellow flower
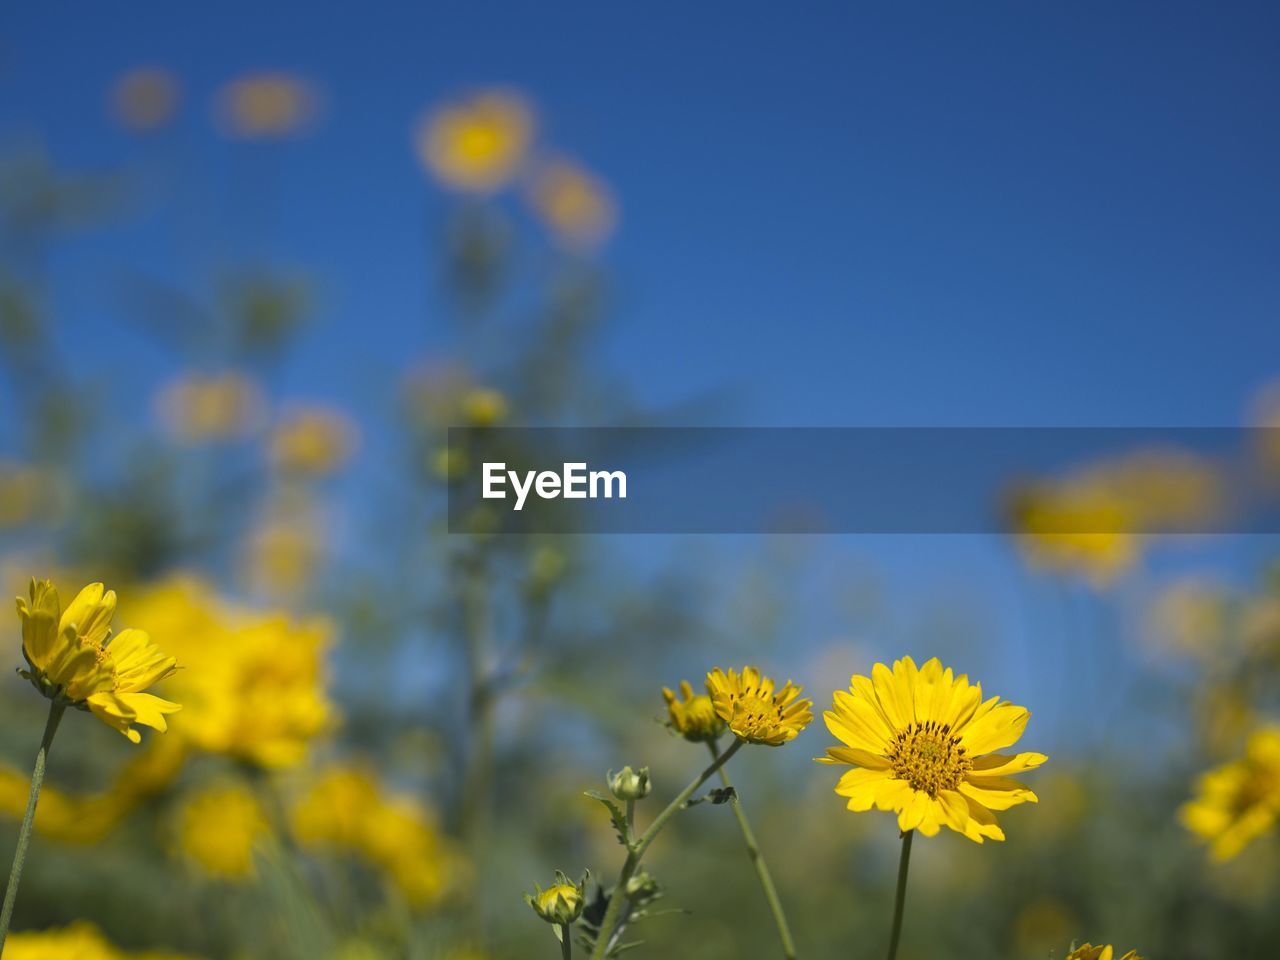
<point x="145" y="98"/>
<point x="1041" y="926"/>
<point x="1090" y="952"/>
<point x="484" y="407"/>
<point x="1076" y="530"/>
<point x="1190" y="619"/>
<point x="267" y="105"/>
<point x="27" y="493"/>
<point x="79" y="941"/>
<point x="755" y="710"/>
<point x="197" y="408"/>
<point x="282" y="556"/>
<point x="691" y="715"/>
<point x="345" y="809"/>
<point x="573" y="204"/>
<point x="75" y="660"/>
<point x="313" y="441"/>
<point x="477" y="144"/>
<point x="920" y="743"/>
<point x="255" y="684"/>
<point x="219" y="828"/>
<point x="1240" y="801"/>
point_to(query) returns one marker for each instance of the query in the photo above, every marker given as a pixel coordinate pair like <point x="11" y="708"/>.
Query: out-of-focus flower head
<point x="145" y="98"/>
<point x="1190" y="619"/>
<point x="575" y="205"/>
<point x="1107" y="952"/>
<point x="346" y="810"/>
<point x="254" y="686"/>
<point x="755" y="709"/>
<point x="920" y="742"/>
<point x="282" y="555"/>
<point x="479" y="143"/>
<point x="1041" y="926"/>
<point x="198" y="408"/>
<point x="692" y="715"/>
<point x="74" y="659"/>
<point x="29" y="494"/>
<point x="313" y="442"/>
<point x="1240" y="801"/>
<point x="79" y="941"/>
<point x="218" y="829"/>
<point x="267" y="105"/>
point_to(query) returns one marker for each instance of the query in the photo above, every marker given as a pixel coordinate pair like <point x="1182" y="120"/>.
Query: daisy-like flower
<point x="921" y="743"/>
<point x="1239" y="801"/>
<point x="1108" y="952"/>
<point x="692" y="715"/>
<point x="755" y="709"/>
<point x="561" y="903"/>
<point x="75" y="660"/>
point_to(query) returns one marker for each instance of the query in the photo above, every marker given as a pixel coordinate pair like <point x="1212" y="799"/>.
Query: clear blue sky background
<point x="996" y="213"/>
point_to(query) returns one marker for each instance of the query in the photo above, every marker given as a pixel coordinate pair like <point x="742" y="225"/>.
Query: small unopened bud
<point x="561" y="903"/>
<point x="642" y="887"/>
<point x="628" y="784"/>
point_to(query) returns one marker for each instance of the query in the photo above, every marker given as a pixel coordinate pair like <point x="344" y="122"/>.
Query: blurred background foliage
<point x="387" y="730"/>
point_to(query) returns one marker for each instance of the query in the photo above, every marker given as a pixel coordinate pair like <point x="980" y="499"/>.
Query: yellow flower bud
<point x="692" y="716"/>
<point x="560" y="903"/>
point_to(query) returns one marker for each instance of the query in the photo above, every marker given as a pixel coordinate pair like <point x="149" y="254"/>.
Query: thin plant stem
<point x="566" y="942"/>
<point x="638" y="848"/>
<point x="631" y="819"/>
<point x="758" y="861"/>
<point x="56" y="710"/>
<point x="900" y="900"/>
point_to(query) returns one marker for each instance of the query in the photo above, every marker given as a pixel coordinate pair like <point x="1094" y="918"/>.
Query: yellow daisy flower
<point x="754" y="710"/>
<point x="75" y="660"/>
<point x="693" y="716"/>
<point x="219" y="828"/>
<point x="1090" y="952"/>
<point x="921" y="742"/>
<point x="1239" y="801"/>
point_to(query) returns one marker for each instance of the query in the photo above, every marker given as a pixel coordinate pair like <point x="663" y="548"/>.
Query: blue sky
<point x="1006" y="213"/>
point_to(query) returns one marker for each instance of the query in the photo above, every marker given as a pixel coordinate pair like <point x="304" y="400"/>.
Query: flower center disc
<point x="928" y="757"/>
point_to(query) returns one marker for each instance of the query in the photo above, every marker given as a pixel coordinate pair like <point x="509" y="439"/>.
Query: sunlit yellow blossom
<point x="346" y="810"/>
<point x="74" y="658"/>
<point x="313" y="441"/>
<point x="920" y="742"/>
<point x="79" y="941"/>
<point x="1239" y="801"/>
<point x="692" y="715"/>
<point x="477" y="144"/>
<point x="267" y="105"/>
<point x="145" y="98"/>
<point x="219" y="828"/>
<point x="199" y="409"/>
<point x="755" y="710"/>
<point x="575" y="205"/>
<point x="1090" y="952"/>
<point x="254" y="687"/>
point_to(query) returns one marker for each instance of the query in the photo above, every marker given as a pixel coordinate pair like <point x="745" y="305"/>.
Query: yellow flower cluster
<point x="920" y="741"/>
<point x="255" y="687"/>
<point x="75" y="660"/>
<point x="80" y="941"/>
<point x="219" y="828"/>
<point x="1239" y="801"/>
<point x="347" y="811"/>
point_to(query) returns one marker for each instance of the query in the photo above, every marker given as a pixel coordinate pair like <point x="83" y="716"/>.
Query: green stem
<point x="901" y="900"/>
<point x="566" y="942"/>
<point x="24" y="835"/>
<point x="757" y="860"/>
<point x="637" y="851"/>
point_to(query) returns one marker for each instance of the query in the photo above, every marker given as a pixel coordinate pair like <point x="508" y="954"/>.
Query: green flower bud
<point x="628" y="784"/>
<point x="560" y="903"/>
